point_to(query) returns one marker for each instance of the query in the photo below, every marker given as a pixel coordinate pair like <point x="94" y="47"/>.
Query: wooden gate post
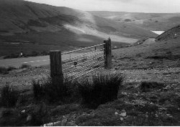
<point x="56" y="67"/>
<point x="107" y="54"/>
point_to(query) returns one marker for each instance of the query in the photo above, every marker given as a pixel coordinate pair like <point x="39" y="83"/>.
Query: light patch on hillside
<point x="112" y="17"/>
<point x="74" y="29"/>
<point x="83" y="29"/>
<point x="82" y="39"/>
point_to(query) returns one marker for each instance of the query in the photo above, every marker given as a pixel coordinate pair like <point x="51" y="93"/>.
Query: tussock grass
<point x="46" y="91"/>
<point x="9" y="96"/>
<point x="100" y="89"/>
<point x="92" y="91"/>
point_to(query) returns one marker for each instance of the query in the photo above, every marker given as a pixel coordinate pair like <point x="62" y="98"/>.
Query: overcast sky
<point x="161" y="6"/>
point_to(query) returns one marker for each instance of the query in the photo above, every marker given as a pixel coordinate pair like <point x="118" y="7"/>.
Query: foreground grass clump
<point x="100" y="89"/>
<point x="92" y="91"/>
<point x="46" y="91"/>
<point x="9" y="96"/>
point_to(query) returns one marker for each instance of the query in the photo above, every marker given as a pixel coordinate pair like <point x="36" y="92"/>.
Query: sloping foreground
<point x="149" y="95"/>
<point x="153" y="102"/>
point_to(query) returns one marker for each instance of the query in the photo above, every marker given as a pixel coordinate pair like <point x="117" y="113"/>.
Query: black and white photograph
<point x="89" y="62"/>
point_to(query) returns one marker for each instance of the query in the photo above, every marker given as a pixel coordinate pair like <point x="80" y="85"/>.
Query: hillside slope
<point x="163" y="50"/>
<point x="30" y="23"/>
<point x="171" y="34"/>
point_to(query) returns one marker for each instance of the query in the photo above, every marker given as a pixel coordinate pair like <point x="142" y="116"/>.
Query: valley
<point x="60" y="27"/>
<point x="140" y="89"/>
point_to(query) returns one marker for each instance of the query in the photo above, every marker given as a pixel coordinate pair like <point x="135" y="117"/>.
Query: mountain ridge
<point x="43" y="24"/>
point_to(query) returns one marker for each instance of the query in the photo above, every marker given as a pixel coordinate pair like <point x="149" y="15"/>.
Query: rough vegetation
<point x="7" y="70"/>
<point x="101" y="89"/>
<point x="61" y="93"/>
<point x="149" y="94"/>
<point x="135" y="104"/>
<point x="45" y="93"/>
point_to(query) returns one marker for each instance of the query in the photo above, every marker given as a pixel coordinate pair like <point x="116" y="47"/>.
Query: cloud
<point x="126" y="1"/>
<point x="118" y="5"/>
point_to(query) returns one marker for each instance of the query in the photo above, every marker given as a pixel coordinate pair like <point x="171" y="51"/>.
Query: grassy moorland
<point x="142" y="88"/>
<point x="146" y="97"/>
<point x="144" y="80"/>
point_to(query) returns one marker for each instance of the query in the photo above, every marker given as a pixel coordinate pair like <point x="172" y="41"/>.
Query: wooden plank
<point x="107" y="54"/>
<point x="56" y="67"/>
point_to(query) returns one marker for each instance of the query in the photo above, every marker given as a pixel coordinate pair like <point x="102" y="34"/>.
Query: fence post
<point x="107" y="54"/>
<point x="56" y="67"/>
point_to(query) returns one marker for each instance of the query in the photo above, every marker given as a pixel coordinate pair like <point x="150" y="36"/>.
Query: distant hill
<point x="39" y="25"/>
<point x="150" y="21"/>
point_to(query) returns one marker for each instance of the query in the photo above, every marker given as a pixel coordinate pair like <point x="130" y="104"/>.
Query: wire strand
<point x="86" y="73"/>
<point x="83" y="64"/>
<point x="93" y="57"/>
<point x="80" y="56"/>
<point x="82" y="49"/>
<point x="86" y="68"/>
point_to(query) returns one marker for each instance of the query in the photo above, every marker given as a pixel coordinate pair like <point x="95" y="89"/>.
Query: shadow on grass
<point x="99" y="89"/>
<point x="60" y="93"/>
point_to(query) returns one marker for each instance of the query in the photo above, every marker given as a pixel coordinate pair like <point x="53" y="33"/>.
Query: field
<point x="149" y="95"/>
